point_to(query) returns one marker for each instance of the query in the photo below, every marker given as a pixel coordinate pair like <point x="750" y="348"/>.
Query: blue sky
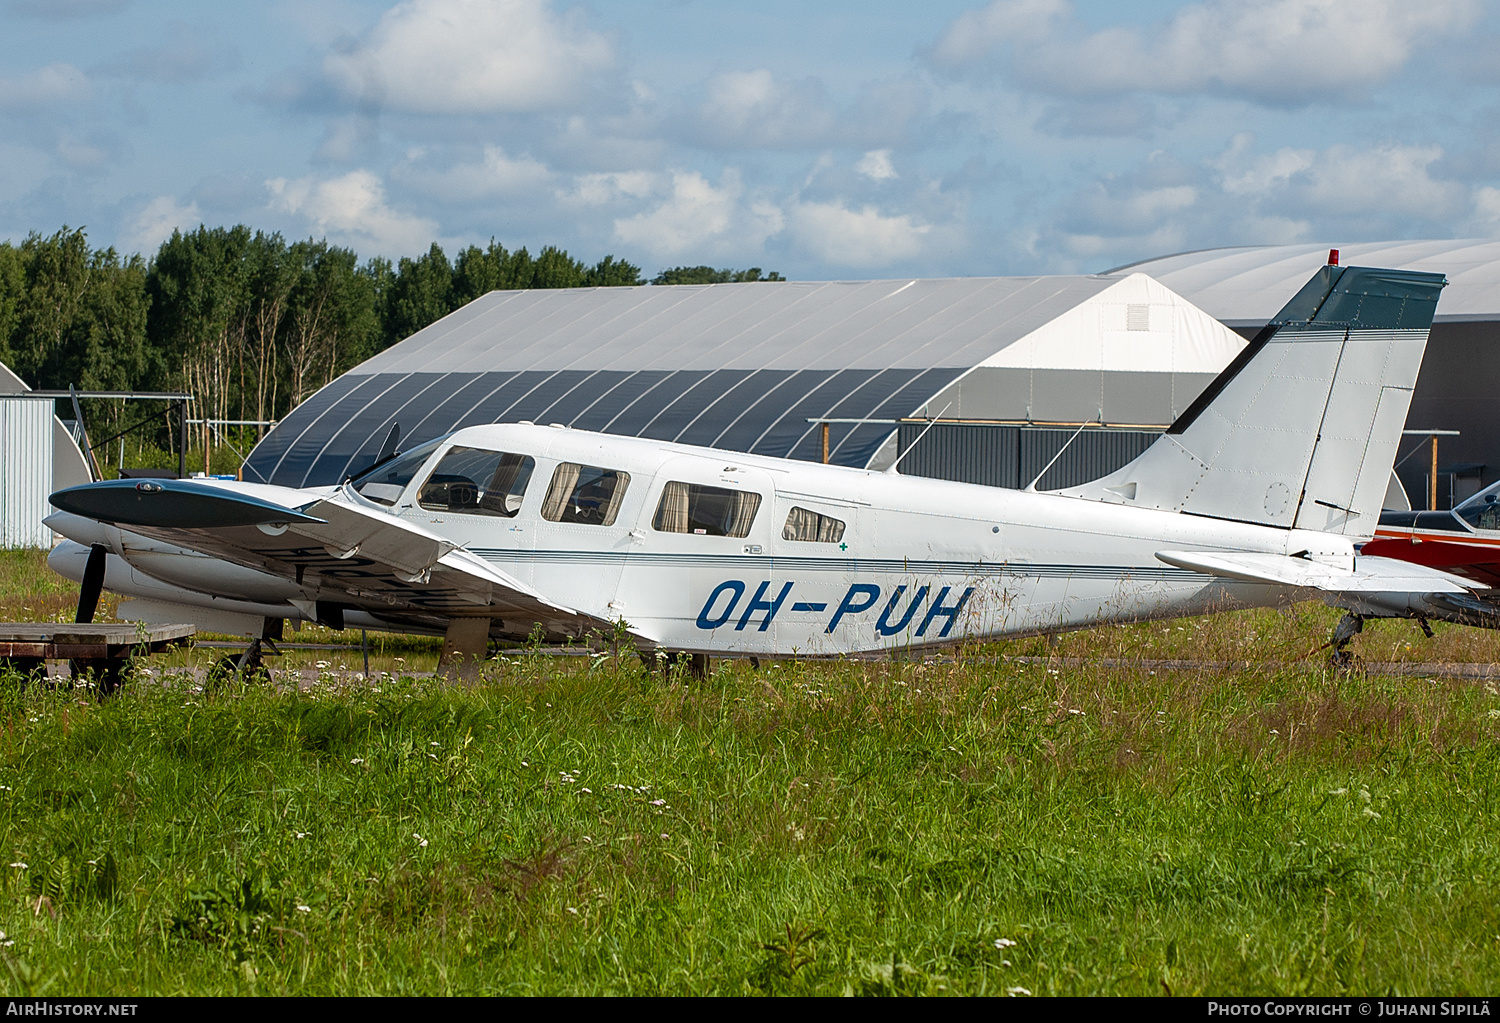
<point x="835" y="140"/>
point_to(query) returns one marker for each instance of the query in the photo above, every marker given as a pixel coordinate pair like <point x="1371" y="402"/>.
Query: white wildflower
<point x="1004" y="943"/>
<point x="422" y="842"/>
<point x="19" y="865"/>
<point x="304" y="909"/>
<point x="1013" y="991"/>
<point x="357" y="760"/>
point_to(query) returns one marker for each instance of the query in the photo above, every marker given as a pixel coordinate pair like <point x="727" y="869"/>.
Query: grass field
<point x="569" y="825"/>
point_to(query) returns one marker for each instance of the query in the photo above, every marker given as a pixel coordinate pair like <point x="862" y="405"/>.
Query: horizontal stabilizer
<point x="1370" y="575"/>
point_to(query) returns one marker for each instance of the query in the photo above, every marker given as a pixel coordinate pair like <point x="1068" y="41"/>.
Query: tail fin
<point x="1300" y="430"/>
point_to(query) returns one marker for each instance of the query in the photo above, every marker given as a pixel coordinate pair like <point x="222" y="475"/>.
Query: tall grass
<point x="567" y="826"/>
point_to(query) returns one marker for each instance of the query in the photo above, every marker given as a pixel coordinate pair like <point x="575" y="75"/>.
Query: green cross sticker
<point x="843" y="547"/>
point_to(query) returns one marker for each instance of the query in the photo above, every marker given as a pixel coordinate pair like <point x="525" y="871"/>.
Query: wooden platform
<point x="100" y="651"/>
<point x="62" y="641"/>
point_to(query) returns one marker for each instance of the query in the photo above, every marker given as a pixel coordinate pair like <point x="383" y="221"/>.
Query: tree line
<point x="247" y="322"/>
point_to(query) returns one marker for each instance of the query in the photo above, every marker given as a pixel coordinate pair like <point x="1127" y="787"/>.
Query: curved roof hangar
<point x="747" y="366"/>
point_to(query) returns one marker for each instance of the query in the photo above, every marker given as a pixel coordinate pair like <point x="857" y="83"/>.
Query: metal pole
<point x="182" y="440"/>
<point x="825" y="443"/>
<point x="364" y="646"/>
<point x="1432" y="479"/>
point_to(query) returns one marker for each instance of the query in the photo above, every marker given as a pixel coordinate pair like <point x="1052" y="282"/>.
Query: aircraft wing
<point x="338" y="546"/>
<point x="1473" y="558"/>
<point x="1370" y="574"/>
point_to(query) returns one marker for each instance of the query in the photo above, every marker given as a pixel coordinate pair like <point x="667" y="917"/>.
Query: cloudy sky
<point x="832" y="140"/>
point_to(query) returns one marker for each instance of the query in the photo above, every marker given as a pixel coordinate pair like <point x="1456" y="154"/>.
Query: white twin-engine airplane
<point x="1259" y="494"/>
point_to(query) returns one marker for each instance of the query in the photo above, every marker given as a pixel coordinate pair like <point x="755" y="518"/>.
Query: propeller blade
<point x="92" y="585"/>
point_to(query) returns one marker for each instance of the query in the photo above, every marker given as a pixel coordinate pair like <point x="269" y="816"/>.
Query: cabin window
<point x="1482" y="511"/>
<point x="802" y="524"/>
<point x="585" y="494"/>
<point x="706" y="511"/>
<point x="478" y="482"/>
<point x="385" y="483"/>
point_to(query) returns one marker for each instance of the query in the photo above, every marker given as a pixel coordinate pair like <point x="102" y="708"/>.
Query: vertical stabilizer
<point x="1300" y="430"/>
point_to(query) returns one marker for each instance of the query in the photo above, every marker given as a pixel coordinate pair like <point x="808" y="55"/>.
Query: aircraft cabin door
<point x="698" y="576"/>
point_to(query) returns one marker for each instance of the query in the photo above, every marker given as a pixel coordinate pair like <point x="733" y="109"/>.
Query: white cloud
<point x="603" y="189"/>
<point x="975" y="34"/>
<point x="753" y="109"/>
<point x="1262" y="173"/>
<point x="155" y="223"/>
<point x="862" y="238"/>
<point x="1382" y="180"/>
<point x="496" y="174"/>
<point x="1273" y="51"/>
<point x="1487" y="206"/>
<point x="353" y="207"/>
<point x="471" y="56"/>
<point x="1377" y="181"/>
<point x="876" y="165"/>
<point x="80" y="155"/>
<point x="701" y="220"/>
<point x="53" y="84"/>
<point x="758" y="110"/>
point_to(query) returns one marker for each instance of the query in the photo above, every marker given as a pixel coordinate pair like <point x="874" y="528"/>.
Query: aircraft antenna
<point x="1031" y="487"/>
<point x="930" y="424"/>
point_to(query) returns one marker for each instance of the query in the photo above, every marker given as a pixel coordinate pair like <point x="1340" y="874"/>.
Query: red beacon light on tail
<point x="1333" y="257"/>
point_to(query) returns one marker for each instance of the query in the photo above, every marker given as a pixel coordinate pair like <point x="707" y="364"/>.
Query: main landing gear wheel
<point x="698" y="665"/>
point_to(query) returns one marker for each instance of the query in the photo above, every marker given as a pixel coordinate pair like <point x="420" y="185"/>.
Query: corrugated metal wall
<point x="25" y="471"/>
<point x="1011" y="456"/>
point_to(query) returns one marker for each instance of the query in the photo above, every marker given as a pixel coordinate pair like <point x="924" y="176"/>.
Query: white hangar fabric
<point x="759" y="367"/>
<point x="1246" y="286"/>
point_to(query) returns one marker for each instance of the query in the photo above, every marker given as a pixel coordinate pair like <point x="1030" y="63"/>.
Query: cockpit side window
<point x="585" y="494"/>
<point x="707" y="511"/>
<point x="478" y="482"/>
<point x="385" y="483"/>
<point x="803" y="524"/>
<point x="1482" y="511"/>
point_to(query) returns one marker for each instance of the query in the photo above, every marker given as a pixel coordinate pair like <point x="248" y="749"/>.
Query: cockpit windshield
<point x="1482" y="511"/>
<point x="385" y="483"/>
